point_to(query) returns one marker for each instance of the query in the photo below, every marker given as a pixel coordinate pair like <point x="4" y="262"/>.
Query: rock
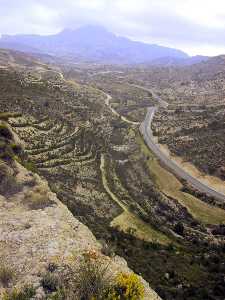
<point x="33" y="239"/>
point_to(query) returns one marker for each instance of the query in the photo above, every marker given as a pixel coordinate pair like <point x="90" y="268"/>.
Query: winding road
<point x="107" y="102"/>
<point x="146" y="131"/>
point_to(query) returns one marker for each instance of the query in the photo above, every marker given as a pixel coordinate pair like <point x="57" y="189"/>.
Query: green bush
<point x="30" y="166"/>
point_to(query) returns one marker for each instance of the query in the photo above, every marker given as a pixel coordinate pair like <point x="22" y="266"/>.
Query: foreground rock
<point x="36" y="230"/>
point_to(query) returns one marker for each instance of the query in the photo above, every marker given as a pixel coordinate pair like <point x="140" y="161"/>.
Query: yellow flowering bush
<point x="127" y="287"/>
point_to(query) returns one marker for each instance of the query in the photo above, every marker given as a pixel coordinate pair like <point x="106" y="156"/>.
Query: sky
<point x="195" y="26"/>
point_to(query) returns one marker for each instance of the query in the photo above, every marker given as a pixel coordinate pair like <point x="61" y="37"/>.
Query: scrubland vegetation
<point x="93" y="280"/>
<point x="65" y="128"/>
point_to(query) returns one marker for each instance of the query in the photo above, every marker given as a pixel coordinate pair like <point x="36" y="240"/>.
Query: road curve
<point x="146" y="131"/>
<point x="107" y="102"/>
<point x="161" y="102"/>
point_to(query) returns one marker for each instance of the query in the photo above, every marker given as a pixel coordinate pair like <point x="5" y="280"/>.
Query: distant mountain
<point x="91" y="43"/>
<point x="177" y="61"/>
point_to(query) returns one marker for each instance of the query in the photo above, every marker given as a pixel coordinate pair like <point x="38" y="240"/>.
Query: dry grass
<point x="171" y="186"/>
<point x="129" y="223"/>
<point x="127" y="219"/>
<point x="6" y="275"/>
<point x="38" y="198"/>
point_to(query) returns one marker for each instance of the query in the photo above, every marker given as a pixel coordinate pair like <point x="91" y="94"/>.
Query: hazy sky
<point x="196" y="26"/>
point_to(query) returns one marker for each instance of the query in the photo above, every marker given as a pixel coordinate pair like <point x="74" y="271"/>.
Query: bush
<point x="59" y="295"/>
<point x="25" y="294"/>
<point x="8" y="183"/>
<point x="6" y="275"/>
<point x="127" y="287"/>
<point x="38" y="199"/>
<point x="179" y="228"/>
<point x="17" y="149"/>
<point x="92" y="280"/>
<point x="5" y="132"/>
<point x="30" y="166"/>
<point x="6" y="152"/>
<point x="50" y="282"/>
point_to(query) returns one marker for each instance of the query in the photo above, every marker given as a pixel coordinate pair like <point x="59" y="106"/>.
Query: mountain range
<point x="95" y="44"/>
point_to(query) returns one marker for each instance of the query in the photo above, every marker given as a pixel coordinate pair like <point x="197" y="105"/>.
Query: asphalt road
<point x="146" y="131"/>
<point x="161" y="102"/>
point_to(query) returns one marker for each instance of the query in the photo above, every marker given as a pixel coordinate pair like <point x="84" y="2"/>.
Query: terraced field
<point x="129" y="101"/>
<point x="65" y="128"/>
<point x="93" y="159"/>
<point x="60" y="140"/>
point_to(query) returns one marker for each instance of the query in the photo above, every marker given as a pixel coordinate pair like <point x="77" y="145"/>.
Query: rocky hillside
<point x="39" y="237"/>
<point x="91" y="154"/>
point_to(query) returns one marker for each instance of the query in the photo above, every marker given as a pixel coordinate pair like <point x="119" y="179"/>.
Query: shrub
<point x="59" y="295"/>
<point x="50" y="282"/>
<point x="179" y="228"/>
<point x="6" y="275"/>
<point x="6" y="152"/>
<point x="38" y="199"/>
<point x="92" y="280"/>
<point x="17" y="149"/>
<point x="30" y="166"/>
<point x="127" y="287"/>
<point x="5" y="132"/>
<point x="8" y="183"/>
<point x="25" y="294"/>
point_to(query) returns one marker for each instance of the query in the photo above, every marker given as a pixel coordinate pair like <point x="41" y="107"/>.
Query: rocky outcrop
<point x="36" y="229"/>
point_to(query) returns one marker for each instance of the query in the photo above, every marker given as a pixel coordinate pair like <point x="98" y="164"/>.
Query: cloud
<point x="195" y="26"/>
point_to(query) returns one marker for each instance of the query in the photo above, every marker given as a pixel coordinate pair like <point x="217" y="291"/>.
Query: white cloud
<point x="192" y="25"/>
<point x="203" y="12"/>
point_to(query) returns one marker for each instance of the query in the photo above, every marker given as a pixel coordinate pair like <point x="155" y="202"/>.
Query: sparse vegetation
<point x="5" y="132"/>
<point x="93" y="280"/>
<point x="8" y="182"/>
<point x="65" y="128"/>
<point x="37" y="198"/>
<point x="6" y="275"/>
<point x="50" y="282"/>
<point x="24" y="294"/>
<point x="126" y="287"/>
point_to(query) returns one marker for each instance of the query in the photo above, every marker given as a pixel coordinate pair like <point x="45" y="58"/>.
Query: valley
<point x="79" y="127"/>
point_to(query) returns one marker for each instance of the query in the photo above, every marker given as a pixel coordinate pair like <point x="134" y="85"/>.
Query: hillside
<point x="90" y="43"/>
<point x="85" y="143"/>
<point x="41" y="241"/>
<point x="193" y="125"/>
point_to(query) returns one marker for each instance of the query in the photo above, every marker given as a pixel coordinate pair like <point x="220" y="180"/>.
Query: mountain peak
<point x="86" y="29"/>
<point x="94" y="43"/>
